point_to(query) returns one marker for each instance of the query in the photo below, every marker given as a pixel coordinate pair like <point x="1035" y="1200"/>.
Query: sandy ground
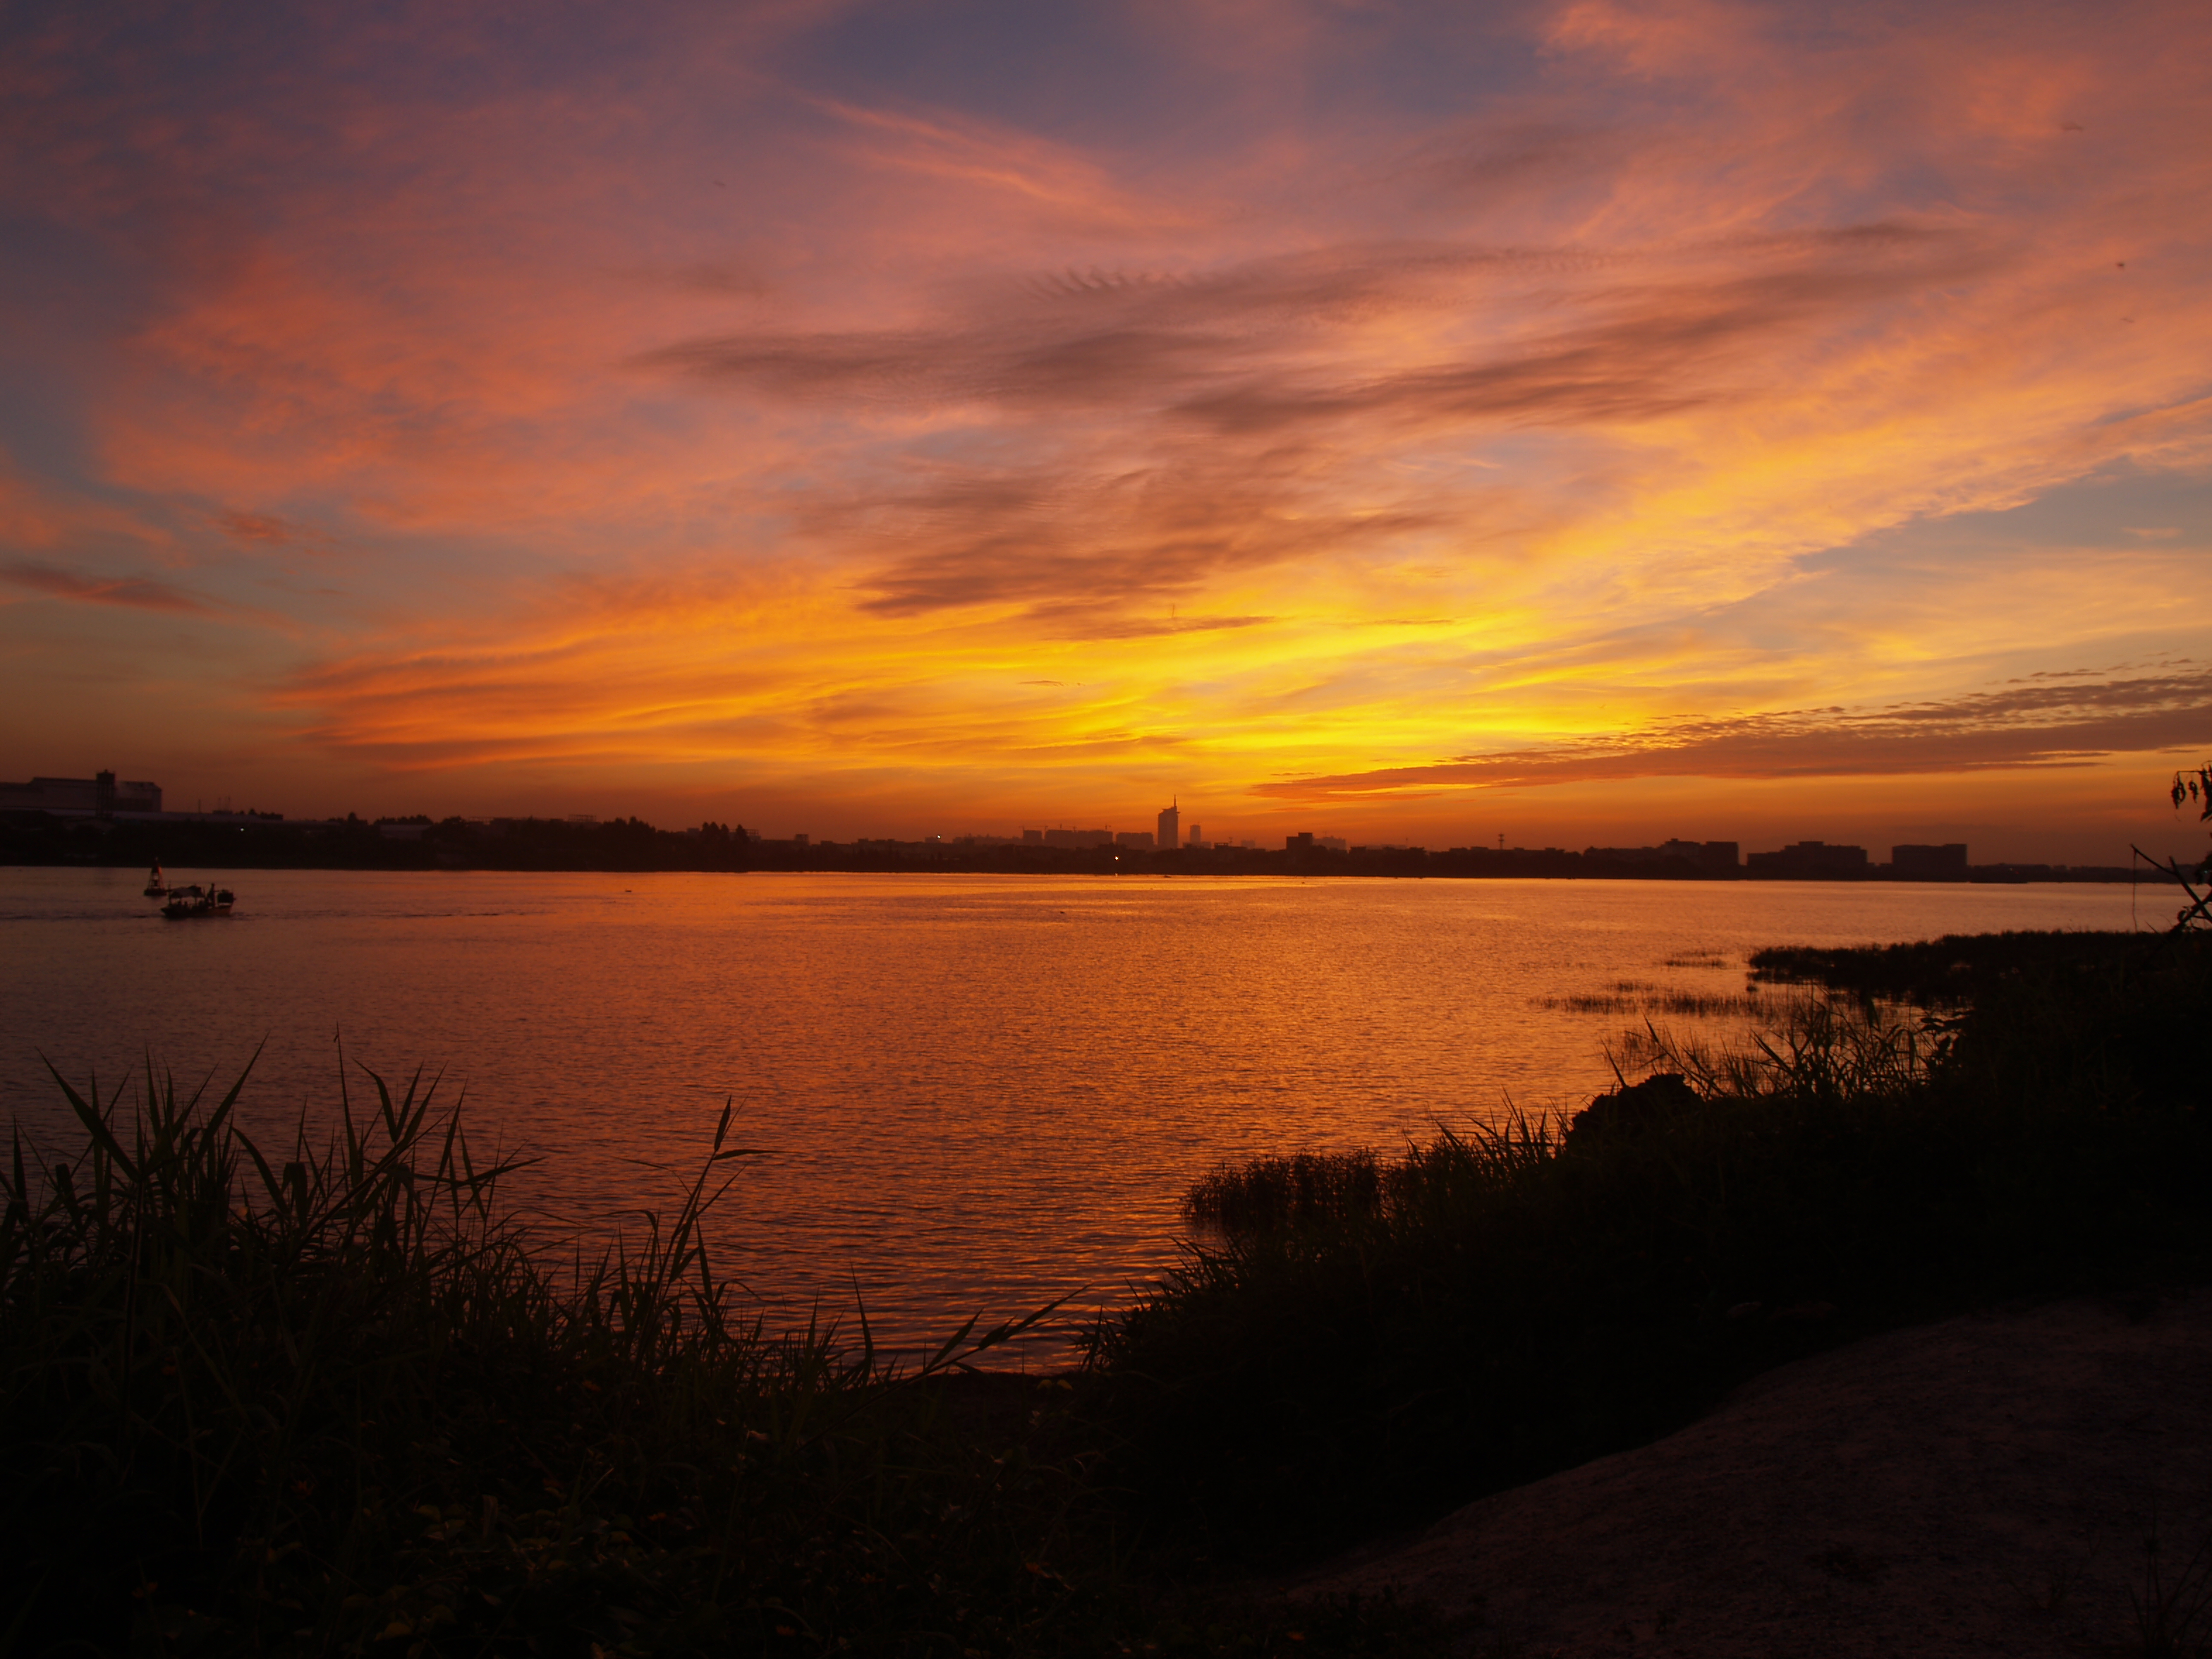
<point x="1984" y="1485"/>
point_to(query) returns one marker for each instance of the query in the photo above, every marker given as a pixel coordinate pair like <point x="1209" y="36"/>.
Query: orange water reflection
<point x="978" y="1093"/>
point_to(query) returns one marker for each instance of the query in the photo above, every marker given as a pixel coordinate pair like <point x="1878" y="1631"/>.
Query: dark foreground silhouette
<point x="330" y="1398"/>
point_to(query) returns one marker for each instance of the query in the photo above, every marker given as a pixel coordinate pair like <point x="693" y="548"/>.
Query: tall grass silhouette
<point x="312" y="1400"/>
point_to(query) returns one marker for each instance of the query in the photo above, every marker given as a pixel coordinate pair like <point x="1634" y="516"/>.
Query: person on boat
<point x="155" y="885"/>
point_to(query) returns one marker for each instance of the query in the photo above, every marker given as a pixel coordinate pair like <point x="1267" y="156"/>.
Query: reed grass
<point x="1949" y="971"/>
<point x="1303" y="1190"/>
<point x="1651" y="1000"/>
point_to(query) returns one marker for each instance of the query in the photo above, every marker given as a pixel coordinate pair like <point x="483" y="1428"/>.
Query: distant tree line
<point x="355" y="843"/>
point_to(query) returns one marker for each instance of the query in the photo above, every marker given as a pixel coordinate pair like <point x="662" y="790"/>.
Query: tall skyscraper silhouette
<point x="1170" y="827"/>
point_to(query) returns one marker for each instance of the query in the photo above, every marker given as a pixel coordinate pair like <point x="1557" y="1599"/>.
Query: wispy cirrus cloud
<point x="1300" y="341"/>
<point x="1091" y="554"/>
<point x="1202" y="426"/>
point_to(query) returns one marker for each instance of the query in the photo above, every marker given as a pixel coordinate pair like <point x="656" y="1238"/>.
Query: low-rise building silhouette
<point x="1716" y="857"/>
<point x="1806" y="858"/>
<point x="1944" y="863"/>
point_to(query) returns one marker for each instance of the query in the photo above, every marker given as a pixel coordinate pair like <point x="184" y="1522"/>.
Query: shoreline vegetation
<point x="249" y="840"/>
<point x="328" y="1399"/>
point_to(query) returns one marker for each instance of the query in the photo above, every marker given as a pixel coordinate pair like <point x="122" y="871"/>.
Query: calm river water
<point x="977" y="1092"/>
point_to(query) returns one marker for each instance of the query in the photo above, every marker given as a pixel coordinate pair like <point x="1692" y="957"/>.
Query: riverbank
<point x="327" y="1398"/>
<point x="1356" y="1344"/>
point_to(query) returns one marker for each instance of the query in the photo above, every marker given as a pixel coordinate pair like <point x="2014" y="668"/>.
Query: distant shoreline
<point x="632" y="847"/>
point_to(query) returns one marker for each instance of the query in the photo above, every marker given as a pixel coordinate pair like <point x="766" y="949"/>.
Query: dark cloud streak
<point x="133" y="591"/>
<point x="256" y="527"/>
<point x="1094" y="560"/>
<point x="2046" y="723"/>
<point x="1278" y="344"/>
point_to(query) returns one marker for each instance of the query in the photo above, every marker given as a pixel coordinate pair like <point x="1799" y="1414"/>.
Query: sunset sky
<point x="1586" y="422"/>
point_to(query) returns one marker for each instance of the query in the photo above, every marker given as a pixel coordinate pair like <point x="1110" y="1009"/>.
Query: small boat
<point x="155" y="886"/>
<point x="195" y="900"/>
